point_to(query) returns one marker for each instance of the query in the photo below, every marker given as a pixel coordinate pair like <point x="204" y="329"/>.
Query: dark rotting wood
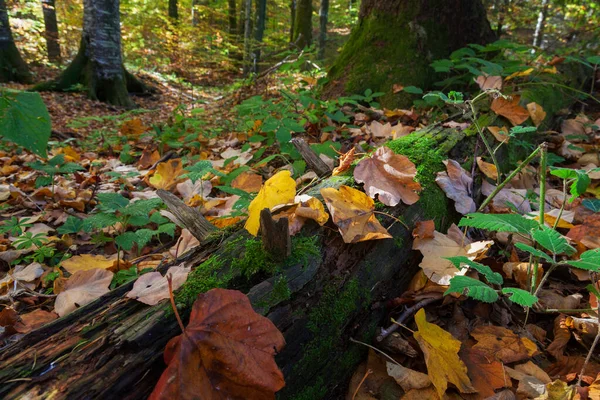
<point x="187" y="216"/>
<point x="276" y="238"/>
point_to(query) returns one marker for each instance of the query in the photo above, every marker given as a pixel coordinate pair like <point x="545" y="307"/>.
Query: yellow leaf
<point x="441" y="356"/>
<point x="527" y="72"/>
<point x="352" y="212"/>
<point x="133" y="127"/>
<point x="551" y="220"/>
<point x="85" y="262"/>
<point x="279" y="189"/>
<point x="536" y="112"/>
<point x="488" y="169"/>
<point x="167" y="174"/>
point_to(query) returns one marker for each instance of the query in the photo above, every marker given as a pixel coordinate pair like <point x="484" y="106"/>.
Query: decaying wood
<point x="113" y="347"/>
<point x="275" y="235"/>
<point x="312" y="159"/>
<point x="188" y="217"/>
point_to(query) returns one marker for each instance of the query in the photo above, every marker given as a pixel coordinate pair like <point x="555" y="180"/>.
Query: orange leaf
<point x="536" y="112"/>
<point x="167" y="174"/>
<point x="346" y="161"/>
<point x="501" y="134"/>
<point x="487" y="374"/>
<point x="488" y="169"/>
<point x="226" y="351"/>
<point x="248" y="182"/>
<point x="510" y="109"/>
<point x="503" y="344"/>
<point x="424" y="229"/>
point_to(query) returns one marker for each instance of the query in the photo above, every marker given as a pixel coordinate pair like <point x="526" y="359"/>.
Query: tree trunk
<point x="12" y="66"/>
<point x="173" y="10"/>
<point x="112" y="348"/>
<point x="247" y="36"/>
<point x="395" y="41"/>
<point x="51" y="31"/>
<point x="98" y="65"/>
<point x="232" y="18"/>
<point x="261" y="15"/>
<point x="292" y="19"/>
<point x="538" y="35"/>
<point x="323" y="15"/>
<point x="195" y="18"/>
<point x="303" y="24"/>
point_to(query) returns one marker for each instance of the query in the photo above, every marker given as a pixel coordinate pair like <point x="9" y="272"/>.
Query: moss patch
<point x="206" y="276"/>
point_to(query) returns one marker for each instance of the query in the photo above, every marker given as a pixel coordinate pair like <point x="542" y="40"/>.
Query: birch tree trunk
<point x="303" y="24"/>
<point x="12" y="66"/>
<point x="51" y="31"/>
<point x="323" y="16"/>
<point x="538" y="35"/>
<point x="173" y="11"/>
<point x="98" y="65"/>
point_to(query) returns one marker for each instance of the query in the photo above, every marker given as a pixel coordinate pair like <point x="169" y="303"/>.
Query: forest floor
<point x="94" y="214"/>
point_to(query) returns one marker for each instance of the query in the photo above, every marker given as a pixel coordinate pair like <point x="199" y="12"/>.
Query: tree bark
<point x="323" y="16"/>
<point x="195" y="18"/>
<point x="232" y="17"/>
<point x="51" y="31"/>
<point x="292" y="19"/>
<point x="98" y="65"/>
<point x="12" y="66"/>
<point x="261" y="16"/>
<point x="173" y="10"/>
<point x="538" y="35"/>
<point x="395" y="41"/>
<point x="247" y="36"/>
<point x="303" y="23"/>
<point x="112" y="348"/>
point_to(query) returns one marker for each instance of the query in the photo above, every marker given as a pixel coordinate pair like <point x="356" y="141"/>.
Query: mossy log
<point x="325" y="293"/>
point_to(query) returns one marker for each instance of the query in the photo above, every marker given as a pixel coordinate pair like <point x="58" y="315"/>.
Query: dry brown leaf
<point x="486" y="373"/>
<point x="503" y="344"/>
<point x="82" y="288"/>
<point x="346" y="161"/>
<point x="408" y="378"/>
<point x="552" y="299"/>
<point x="185" y="243"/>
<point x="488" y="169"/>
<point x="152" y="287"/>
<point x="536" y="112"/>
<point x="428" y="393"/>
<point x="505" y="197"/>
<point x="376" y="384"/>
<point x="501" y="134"/>
<point x="588" y="233"/>
<point x="133" y="127"/>
<point x="489" y="82"/>
<point x="389" y="175"/>
<point x="532" y="369"/>
<point x="457" y="184"/>
<point x="352" y="211"/>
<point x="424" y="229"/>
<point x="562" y="335"/>
<point x="248" y="182"/>
<point x="510" y="109"/>
<point x="436" y="249"/>
<point x="441" y="356"/>
<point x="568" y="369"/>
<point x="34" y="320"/>
<point x="519" y="272"/>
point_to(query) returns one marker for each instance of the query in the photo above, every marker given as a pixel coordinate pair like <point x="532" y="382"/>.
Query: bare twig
<point x="404" y="316"/>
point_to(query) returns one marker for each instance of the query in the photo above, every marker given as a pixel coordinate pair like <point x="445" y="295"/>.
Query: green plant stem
<point x="569" y="310"/>
<point x="545" y="278"/>
<point x="543" y="163"/>
<point x="508" y="179"/>
<point x="482" y="135"/>
<point x="562" y="206"/>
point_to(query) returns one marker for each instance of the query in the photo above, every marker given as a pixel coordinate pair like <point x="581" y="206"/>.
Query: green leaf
<point x="413" y="90"/>
<point x="112" y="201"/>
<point x="472" y="288"/>
<point x="126" y="240"/>
<point x="141" y="207"/>
<point x="234" y="191"/>
<point x="168" y="229"/>
<point x="99" y="221"/>
<point x="144" y="236"/>
<point x="589" y="260"/>
<point x="593" y="290"/>
<point x="534" y="251"/>
<point x="499" y="222"/>
<point x="71" y="225"/>
<point x="592" y="204"/>
<point x="24" y="120"/>
<point x="520" y="296"/>
<point x="491" y="276"/>
<point x="552" y="241"/>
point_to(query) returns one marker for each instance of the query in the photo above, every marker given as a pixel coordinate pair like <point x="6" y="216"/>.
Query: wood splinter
<point x="275" y="235"/>
<point x="313" y="161"/>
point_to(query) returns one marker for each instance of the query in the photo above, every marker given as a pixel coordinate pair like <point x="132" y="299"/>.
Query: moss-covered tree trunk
<point x="98" y="65"/>
<point x="395" y="41"/>
<point x="51" y="30"/>
<point x="320" y="297"/>
<point x="303" y="23"/>
<point x="12" y="66"/>
<point x="173" y="10"/>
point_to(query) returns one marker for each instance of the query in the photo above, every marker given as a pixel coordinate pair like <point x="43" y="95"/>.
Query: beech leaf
<point x="457" y="183"/>
<point x="510" y="109"/>
<point x="82" y="288"/>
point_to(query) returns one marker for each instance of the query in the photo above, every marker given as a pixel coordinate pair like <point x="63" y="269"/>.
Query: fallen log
<point x="322" y="295"/>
